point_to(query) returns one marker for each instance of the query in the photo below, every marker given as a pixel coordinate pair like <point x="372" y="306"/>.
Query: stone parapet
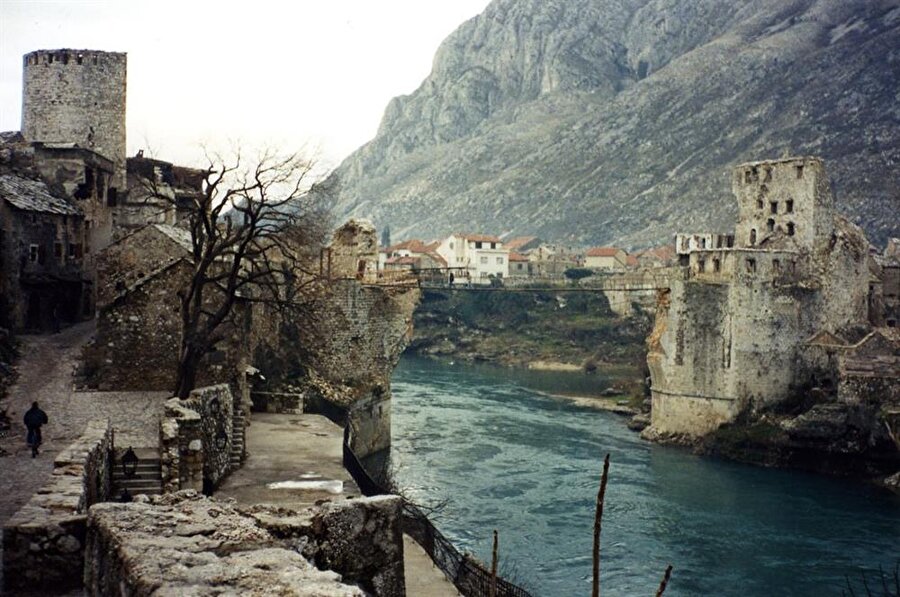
<point x="43" y="543"/>
<point x="184" y="543"/>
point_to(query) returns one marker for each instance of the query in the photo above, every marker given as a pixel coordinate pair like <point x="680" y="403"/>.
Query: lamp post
<point x="129" y="462"/>
<point x="221" y="440"/>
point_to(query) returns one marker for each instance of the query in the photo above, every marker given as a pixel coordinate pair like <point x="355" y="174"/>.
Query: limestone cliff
<point x="612" y="120"/>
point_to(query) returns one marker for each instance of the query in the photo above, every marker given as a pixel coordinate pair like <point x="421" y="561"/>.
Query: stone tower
<point x="77" y="96"/>
<point x="784" y="202"/>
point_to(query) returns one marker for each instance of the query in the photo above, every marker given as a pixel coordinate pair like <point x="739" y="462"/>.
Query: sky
<point x="302" y="74"/>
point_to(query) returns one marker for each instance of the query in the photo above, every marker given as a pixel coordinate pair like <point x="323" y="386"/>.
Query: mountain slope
<point x="618" y="120"/>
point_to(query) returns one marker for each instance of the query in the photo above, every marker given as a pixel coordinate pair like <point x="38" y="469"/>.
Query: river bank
<point x="529" y="330"/>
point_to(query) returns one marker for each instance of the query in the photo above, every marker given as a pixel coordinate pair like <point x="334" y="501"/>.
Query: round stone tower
<point x="76" y="96"/>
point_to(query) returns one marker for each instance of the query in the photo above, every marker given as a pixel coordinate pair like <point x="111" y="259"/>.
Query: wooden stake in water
<point x="598" y="517"/>
<point x="665" y="581"/>
<point x="494" y="557"/>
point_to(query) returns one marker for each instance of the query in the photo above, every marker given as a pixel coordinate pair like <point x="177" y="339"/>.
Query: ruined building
<point x="749" y="322"/>
<point x="71" y="153"/>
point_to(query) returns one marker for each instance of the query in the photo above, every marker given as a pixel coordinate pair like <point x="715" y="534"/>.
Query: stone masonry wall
<point x="364" y="330"/>
<point x="77" y="96"/>
<point x="186" y="544"/>
<point x="189" y="434"/>
<point x="43" y="543"/>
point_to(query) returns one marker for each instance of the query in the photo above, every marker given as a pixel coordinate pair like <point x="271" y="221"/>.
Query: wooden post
<point x="494" y="557"/>
<point x="665" y="581"/>
<point x="598" y="517"/>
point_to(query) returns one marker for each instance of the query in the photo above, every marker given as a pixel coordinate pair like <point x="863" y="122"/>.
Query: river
<point x="502" y="454"/>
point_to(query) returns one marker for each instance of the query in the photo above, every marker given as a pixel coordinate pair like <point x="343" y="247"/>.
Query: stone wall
<point x="186" y="544"/>
<point x="43" y="543"/>
<point x="190" y="433"/>
<point x="731" y="334"/>
<point x="363" y="330"/>
<point x="77" y="96"/>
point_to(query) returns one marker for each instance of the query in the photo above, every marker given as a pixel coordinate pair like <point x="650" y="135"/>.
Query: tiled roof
<point x="412" y="245"/>
<point x="514" y="243"/>
<point x="513" y="256"/>
<point x="32" y="195"/>
<point x="602" y="252"/>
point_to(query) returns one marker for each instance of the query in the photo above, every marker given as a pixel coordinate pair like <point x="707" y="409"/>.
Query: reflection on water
<point x="507" y="457"/>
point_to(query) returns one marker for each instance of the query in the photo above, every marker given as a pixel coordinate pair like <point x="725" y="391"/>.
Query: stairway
<point x="147" y="478"/>
<point x="238" y="437"/>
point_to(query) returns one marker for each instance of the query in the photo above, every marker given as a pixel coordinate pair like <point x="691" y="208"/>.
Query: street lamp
<point x="221" y="440"/>
<point x="129" y="462"/>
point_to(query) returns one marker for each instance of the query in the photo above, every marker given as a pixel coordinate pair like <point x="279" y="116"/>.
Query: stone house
<point x="551" y="260"/>
<point x="158" y="192"/>
<point x="731" y="330"/>
<point x="519" y="265"/>
<point x="605" y="258"/>
<point x="656" y="257"/>
<point x="523" y="244"/>
<point x="476" y="257"/>
<point x="42" y="243"/>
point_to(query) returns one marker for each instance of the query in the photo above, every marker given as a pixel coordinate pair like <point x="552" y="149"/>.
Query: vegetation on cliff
<point x="523" y="328"/>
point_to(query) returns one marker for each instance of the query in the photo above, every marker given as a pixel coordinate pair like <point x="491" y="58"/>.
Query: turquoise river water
<point x="504" y="455"/>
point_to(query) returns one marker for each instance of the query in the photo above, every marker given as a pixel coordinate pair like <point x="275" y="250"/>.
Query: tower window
<point x="789" y="206"/>
<point x="773" y="207"/>
<point x="800" y="171"/>
<point x="753" y="237"/>
<point x="751" y="265"/>
<point x="759" y="203"/>
<point x="791" y="229"/>
<point x="717" y="265"/>
<point x="701" y="265"/>
<point x="770" y="225"/>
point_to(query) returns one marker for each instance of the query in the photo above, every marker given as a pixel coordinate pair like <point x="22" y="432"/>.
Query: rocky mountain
<point x="599" y="121"/>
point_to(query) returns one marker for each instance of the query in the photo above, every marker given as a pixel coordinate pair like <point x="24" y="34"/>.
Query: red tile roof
<point x="413" y="245"/>
<point x="514" y="243"/>
<point x="602" y="252"/>
<point x="480" y="238"/>
<point x="513" y="256"/>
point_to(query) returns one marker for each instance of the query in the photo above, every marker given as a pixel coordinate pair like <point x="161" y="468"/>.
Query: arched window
<point x="770" y="225"/>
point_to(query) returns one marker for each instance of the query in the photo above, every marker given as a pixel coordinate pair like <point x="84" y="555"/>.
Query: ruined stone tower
<point x="77" y="96"/>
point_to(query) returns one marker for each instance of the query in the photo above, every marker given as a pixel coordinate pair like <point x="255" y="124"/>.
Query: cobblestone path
<point x="45" y="374"/>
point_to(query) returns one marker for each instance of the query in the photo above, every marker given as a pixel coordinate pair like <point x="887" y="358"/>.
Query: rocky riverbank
<point x="828" y="438"/>
<point x="540" y="330"/>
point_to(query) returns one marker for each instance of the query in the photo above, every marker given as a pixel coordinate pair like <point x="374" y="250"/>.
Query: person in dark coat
<point x="34" y="419"/>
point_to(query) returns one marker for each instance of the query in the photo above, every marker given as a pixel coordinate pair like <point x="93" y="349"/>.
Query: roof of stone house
<point x="825" y="338"/>
<point x="152" y="275"/>
<point x="33" y="195"/>
<point x="603" y="252"/>
<point x="408" y="260"/>
<point x="11" y="137"/>
<point x="513" y="256"/>
<point x="437" y="258"/>
<point x="663" y="253"/>
<point x="413" y="245"/>
<point x="179" y="235"/>
<point x="631" y="260"/>
<point x="514" y="244"/>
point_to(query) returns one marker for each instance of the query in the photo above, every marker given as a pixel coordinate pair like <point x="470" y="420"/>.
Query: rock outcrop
<point x="613" y="120"/>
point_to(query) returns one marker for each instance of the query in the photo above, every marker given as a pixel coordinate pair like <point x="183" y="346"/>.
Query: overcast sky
<point x="282" y="73"/>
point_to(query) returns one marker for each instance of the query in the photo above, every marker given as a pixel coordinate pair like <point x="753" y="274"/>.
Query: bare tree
<point x="251" y="227"/>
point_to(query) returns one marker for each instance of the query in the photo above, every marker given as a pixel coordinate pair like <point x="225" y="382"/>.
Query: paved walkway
<point x="304" y="454"/>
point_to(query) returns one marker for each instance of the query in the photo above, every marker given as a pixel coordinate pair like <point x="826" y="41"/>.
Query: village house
<point x="656" y="257"/>
<point x="519" y="265"/>
<point x="475" y="258"/>
<point x="42" y="241"/>
<point x="413" y="255"/>
<point x="551" y="260"/>
<point x="158" y="192"/>
<point x="605" y="258"/>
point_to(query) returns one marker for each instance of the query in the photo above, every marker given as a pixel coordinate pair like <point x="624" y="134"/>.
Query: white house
<point x="480" y="256"/>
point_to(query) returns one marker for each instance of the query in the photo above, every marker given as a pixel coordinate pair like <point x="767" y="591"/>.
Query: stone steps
<point x="238" y="432"/>
<point x="147" y="478"/>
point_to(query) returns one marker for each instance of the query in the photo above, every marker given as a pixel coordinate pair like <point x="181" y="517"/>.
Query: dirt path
<point x="45" y="375"/>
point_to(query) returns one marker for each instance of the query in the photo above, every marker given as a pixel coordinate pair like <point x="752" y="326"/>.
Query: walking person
<point x="34" y="419"/>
